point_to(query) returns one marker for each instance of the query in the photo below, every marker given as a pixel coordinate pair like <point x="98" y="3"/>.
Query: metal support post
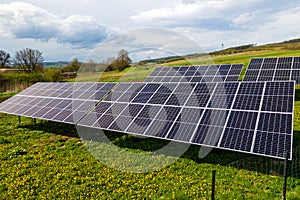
<point x="285" y="175"/>
<point x="213" y="183"/>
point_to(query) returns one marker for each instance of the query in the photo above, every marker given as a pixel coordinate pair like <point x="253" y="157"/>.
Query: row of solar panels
<point x="193" y="104"/>
<point x="196" y="74"/>
<point x="253" y="117"/>
<point x="259" y="69"/>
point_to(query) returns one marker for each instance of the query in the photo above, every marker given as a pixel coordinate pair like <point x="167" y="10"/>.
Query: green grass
<point x="131" y="74"/>
<point x="49" y="161"/>
<point x="242" y="58"/>
<point x="6" y="95"/>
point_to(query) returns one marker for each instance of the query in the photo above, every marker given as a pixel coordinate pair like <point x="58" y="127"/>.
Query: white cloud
<point x="24" y="20"/>
<point x="181" y="10"/>
<point x="242" y="19"/>
<point x="191" y="10"/>
<point x="283" y="27"/>
<point x="247" y="29"/>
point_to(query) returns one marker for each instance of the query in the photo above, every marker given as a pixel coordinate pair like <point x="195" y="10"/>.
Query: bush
<point x="53" y="75"/>
<point x="12" y="82"/>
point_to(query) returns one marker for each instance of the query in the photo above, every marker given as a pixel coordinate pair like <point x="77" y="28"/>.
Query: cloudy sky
<point x="65" y="29"/>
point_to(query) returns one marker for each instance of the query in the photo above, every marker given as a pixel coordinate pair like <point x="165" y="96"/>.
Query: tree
<point x="4" y="59"/>
<point x="29" y="60"/>
<point x="123" y="61"/>
<point x="89" y="66"/>
<point x="73" y="66"/>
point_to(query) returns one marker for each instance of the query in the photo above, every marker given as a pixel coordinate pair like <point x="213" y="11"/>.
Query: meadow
<point x="50" y="161"/>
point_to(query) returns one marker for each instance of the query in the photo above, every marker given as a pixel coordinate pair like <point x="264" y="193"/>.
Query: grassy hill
<point x="139" y="71"/>
<point x="285" y="48"/>
<point x="50" y="161"/>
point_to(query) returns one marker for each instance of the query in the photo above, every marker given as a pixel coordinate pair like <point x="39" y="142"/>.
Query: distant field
<point x="243" y="58"/>
<point x="140" y="72"/>
<point x="131" y="74"/>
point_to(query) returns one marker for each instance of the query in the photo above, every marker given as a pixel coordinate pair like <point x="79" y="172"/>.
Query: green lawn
<point x="49" y="161"/>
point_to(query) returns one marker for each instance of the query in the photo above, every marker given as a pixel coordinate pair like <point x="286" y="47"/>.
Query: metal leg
<point x="285" y="176"/>
<point x="213" y="183"/>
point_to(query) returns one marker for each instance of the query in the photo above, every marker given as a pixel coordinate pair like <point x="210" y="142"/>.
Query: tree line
<point x="28" y="68"/>
<point x="31" y="61"/>
<point x="27" y="60"/>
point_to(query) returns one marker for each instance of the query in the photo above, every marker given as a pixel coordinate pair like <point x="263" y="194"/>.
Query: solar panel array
<point x="196" y="74"/>
<point x="61" y="102"/>
<point x="273" y="69"/>
<point x="253" y="117"/>
<point x="195" y="104"/>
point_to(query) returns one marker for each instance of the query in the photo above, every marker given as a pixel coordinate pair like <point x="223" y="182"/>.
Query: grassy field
<point x="49" y="161"/>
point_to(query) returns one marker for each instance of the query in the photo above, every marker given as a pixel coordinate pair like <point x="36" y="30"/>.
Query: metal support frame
<point x="285" y="175"/>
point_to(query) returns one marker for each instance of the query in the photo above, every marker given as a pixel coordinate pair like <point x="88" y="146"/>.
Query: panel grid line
<point x="194" y="133"/>
<point x="276" y="66"/>
<point x="261" y="66"/>
<point x="230" y="110"/>
<point x="293" y="59"/>
<point x="281" y="68"/>
<point x="257" y="120"/>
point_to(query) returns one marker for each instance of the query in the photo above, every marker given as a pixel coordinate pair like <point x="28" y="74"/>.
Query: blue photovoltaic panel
<point x="61" y="102"/>
<point x="273" y="69"/>
<point x="252" y="117"/>
<point x="239" y="131"/>
<point x="196" y="74"/>
<point x="225" y="115"/>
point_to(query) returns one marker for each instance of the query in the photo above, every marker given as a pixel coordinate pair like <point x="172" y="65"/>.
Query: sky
<point x="65" y="29"/>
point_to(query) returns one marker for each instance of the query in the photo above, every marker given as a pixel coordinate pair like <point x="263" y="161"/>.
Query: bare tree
<point x="4" y="59"/>
<point x="89" y="66"/>
<point x="29" y="60"/>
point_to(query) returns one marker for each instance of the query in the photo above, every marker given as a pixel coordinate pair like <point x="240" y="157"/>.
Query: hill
<point x="56" y="64"/>
<point x="285" y="48"/>
<point x="286" y="45"/>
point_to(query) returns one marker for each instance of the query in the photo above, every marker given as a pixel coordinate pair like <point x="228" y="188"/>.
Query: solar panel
<point x="252" y="117"/>
<point x="61" y="102"/>
<point x="196" y="74"/>
<point x="228" y="115"/>
<point x="273" y="69"/>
